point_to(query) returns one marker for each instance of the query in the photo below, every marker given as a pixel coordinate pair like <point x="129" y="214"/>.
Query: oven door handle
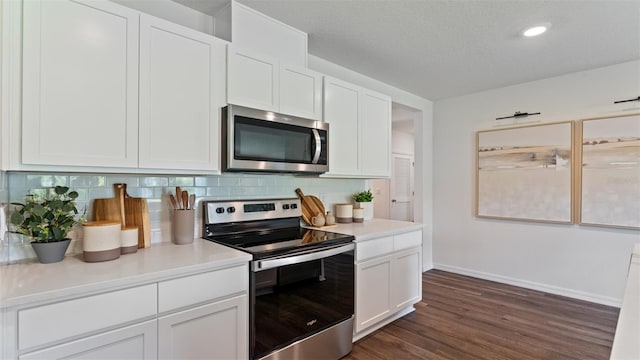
<point x="296" y="259"/>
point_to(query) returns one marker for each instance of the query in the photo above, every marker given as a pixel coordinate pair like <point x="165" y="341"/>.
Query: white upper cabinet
<point x="300" y="92"/>
<point x="263" y="82"/>
<point x="359" y="130"/>
<point x="80" y="84"/>
<point x="341" y="111"/>
<point x="182" y="77"/>
<point x="253" y="80"/>
<point x="249" y="29"/>
<point x="375" y="134"/>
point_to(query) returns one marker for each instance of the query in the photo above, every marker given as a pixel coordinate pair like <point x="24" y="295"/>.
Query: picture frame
<point x="526" y="173"/>
<point x="608" y="169"/>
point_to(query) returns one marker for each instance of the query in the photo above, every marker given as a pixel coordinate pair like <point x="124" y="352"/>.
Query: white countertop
<point x="32" y="282"/>
<point x="373" y="228"/>
<point x="625" y="342"/>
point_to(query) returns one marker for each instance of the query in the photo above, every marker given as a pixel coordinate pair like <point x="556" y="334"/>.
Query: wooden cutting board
<point x="310" y="206"/>
<point x="128" y="210"/>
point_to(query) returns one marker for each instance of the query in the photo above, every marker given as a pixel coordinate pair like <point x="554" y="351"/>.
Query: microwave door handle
<point x="316" y="155"/>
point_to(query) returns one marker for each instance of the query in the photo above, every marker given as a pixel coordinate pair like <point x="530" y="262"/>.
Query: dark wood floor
<point x="466" y="318"/>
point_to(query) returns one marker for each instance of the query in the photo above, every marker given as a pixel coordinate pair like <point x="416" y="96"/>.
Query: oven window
<point x="263" y="140"/>
<point x="295" y="301"/>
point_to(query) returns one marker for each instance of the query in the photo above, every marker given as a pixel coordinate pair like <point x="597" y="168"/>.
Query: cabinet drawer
<point x="190" y="290"/>
<point x="372" y="248"/>
<point x="48" y="323"/>
<point x="407" y="240"/>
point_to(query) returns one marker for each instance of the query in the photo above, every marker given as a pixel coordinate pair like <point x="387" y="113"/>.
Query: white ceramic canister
<point x="344" y="213"/>
<point x="129" y="240"/>
<point x="358" y="215"/>
<point x="101" y="241"/>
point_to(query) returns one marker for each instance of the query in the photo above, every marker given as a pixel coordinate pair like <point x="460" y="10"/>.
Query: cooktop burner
<point x="264" y="228"/>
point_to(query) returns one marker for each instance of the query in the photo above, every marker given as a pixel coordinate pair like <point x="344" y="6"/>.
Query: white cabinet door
<point x="300" y="92"/>
<point x="213" y="331"/>
<point x="373" y="292"/>
<point x="375" y="134"/>
<point x="80" y="84"/>
<point x="253" y="80"/>
<point x="182" y="75"/>
<point x="341" y="111"/>
<point x="406" y="278"/>
<point x="132" y="342"/>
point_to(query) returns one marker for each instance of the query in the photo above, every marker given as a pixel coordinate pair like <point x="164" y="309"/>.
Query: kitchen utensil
<point x="185" y="200"/>
<point x="192" y="201"/>
<point x="310" y="206"/>
<point x="174" y="203"/>
<point x="179" y="197"/>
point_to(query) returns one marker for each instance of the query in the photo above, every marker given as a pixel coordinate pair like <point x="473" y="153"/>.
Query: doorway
<point x="394" y="197"/>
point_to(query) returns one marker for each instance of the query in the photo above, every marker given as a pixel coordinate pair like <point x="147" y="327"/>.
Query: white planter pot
<point x="368" y="209"/>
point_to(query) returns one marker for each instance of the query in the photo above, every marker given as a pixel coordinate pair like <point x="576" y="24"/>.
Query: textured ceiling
<point x="440" y="49"/>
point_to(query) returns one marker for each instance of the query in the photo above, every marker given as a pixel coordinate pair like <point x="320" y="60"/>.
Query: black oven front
<point x="302" y="302"/>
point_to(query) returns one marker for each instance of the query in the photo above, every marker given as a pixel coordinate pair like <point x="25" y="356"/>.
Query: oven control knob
<point x="285" y="206"/>
<point x="294" y="206"/>
<point x="220" y="210"/>
<point x="231" y="209"/>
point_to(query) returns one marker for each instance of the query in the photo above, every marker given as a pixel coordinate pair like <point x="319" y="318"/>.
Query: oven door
<point x="297" y="296"/>
<point x="264" y="141"/>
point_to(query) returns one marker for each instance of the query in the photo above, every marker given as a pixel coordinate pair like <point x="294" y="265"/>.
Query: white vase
<point x="368" y="209"/>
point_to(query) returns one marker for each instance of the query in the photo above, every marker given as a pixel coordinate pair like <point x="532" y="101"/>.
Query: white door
<point x="182" y="76"/>
<point x="341" y="111"/>
<point x="300" y="92"/>
<point x="373" y="292"/>
<point x="133" y="342"/>
<point x="252" y="80"/>
<point x="406" y="280"/>
<point x="80" y="84"/>
<point x="213" y="331"/>
<point x="374" y="134"/>
<point x="401" y="206"/>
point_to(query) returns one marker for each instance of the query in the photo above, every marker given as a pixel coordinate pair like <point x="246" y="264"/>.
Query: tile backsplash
<point x="15" y="185"/>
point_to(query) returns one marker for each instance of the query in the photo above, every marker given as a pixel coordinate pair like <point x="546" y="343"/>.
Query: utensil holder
<point x="183" y="227"/>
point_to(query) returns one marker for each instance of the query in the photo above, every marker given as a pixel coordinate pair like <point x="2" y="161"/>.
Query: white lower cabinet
<point x="387" y="283"/>
<point x="133" y="342"/>
<point x="197" y="316"/>
<point x="213" y="331"/>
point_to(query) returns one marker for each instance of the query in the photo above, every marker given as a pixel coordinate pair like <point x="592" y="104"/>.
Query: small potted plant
<point x="364" y="200"/>
<point x="47" y="220"/>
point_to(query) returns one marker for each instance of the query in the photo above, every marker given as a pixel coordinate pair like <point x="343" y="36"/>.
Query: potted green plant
<point x="47" y="220"/>
<point x="364" y="200"/>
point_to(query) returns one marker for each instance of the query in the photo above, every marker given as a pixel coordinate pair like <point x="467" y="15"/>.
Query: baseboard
<point x="580" y="295"/>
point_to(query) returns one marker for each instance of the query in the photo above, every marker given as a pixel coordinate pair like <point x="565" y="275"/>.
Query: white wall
<point x="579" y="261"/>
<point x="423" y="146"/>
<point x="402" y="142"/>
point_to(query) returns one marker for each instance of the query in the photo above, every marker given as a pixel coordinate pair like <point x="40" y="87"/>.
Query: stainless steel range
<point x="301" y="280"/>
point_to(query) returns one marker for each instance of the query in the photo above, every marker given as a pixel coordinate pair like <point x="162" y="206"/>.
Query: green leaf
<point x="58" y="234"/>
<point x="56" y="204"/>
<point x="39" y="210"/>
<point x="17" y="218"/>
<point x="73" y="195"/>
<point x="61" y="190"/>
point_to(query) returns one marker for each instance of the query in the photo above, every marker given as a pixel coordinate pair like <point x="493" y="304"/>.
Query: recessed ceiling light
<point x="536" y="30"/>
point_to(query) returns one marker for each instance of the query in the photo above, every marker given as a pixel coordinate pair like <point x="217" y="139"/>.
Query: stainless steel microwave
<point x="265" y="141"/>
